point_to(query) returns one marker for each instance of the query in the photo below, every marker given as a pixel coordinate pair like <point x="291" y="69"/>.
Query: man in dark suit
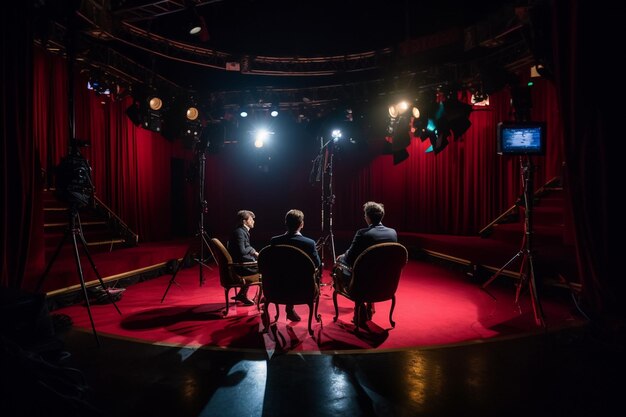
<point x="294" y="220"/>
<point x="363" y="239"/>
<point x="241" y="251"/>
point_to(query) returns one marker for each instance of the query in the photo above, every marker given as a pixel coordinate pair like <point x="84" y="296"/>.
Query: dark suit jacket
<point x="239" y="245"/>
<point x="364" y="238"/>
<point x="301" y="242"/>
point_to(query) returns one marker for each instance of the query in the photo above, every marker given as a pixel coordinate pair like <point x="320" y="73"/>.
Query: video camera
<point x="73" y="177"/>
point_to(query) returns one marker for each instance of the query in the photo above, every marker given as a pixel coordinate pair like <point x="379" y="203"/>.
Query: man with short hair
<point x="363" y="239"/>
<point x="294" y="221"/>
<point x="241" y="251"/>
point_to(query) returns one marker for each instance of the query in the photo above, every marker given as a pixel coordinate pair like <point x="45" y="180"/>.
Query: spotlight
<point x="457" y="114"/>
<point x="192" y="113"/>
<point x="260" y="136"/>
<point x="393" y="112"/>
<point x="274" y="113"/>
<point x="397" y="109"/>
<point x="336" y="134"/>
<point x="243" y="114"/>
<point x="155" y="103"/>
<point x="197" y="25"/>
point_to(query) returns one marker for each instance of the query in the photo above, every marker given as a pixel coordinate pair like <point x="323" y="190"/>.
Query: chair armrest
<point x="338" y="266"/>
<point x="244" y="264"/>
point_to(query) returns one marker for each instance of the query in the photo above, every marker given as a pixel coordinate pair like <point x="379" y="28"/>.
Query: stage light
<point x="195" y="27"/>
<point x="197" y="24"/>
<point x="274" y="113"/>
<point x="192" y="113"/>
<point x="456" y="115"/>
<point x="480" y="99"/>
<point x="393" y="112"/>
<point x="336" y="134"/>
<point x="261" y="136"/>
<point x="243" y="114"/>
<point x="155" y="103"/>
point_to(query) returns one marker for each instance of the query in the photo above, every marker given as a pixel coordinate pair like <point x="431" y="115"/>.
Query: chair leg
<point x="336" y="306"/>
<point x="357" y="315"/>
<point x="318" y="317"/>
<point x="259" y="296"/>
<point x="393" y="305"/>
<point x="310" y="318"/>
<point x="265" y="317"/>
<point x="226" y="291"/>
<point x="277" y="312"/>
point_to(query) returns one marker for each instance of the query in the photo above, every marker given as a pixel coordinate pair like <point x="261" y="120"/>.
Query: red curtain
<point x="459" y="190"/>
<point x="130" y="165"/>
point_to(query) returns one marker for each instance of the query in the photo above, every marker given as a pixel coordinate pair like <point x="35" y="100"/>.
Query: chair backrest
<point x="288" y="275"/>
<point x="224" y="263"/>
<point x="376" y="272"/>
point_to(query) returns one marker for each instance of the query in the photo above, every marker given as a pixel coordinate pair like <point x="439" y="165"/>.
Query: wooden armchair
<point x="229" y="278"/>
<point x="289" y="277"/>
<point x="375" y="277"/>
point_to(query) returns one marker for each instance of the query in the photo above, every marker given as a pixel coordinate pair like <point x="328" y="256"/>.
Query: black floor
<point x="559" y="373"/>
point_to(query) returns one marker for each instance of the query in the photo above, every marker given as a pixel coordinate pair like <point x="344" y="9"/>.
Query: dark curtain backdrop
<point x="20" y="189"/>
<point x="587" y="100"/>
<point x="458" y="191"/>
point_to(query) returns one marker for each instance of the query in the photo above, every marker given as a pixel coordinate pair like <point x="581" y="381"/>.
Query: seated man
<point x="363" y="239"/>
<point x="241" y="251"/>
<point x="294" y="221"/>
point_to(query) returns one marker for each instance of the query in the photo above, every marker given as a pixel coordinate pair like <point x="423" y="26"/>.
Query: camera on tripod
<point x="73" y="177"/>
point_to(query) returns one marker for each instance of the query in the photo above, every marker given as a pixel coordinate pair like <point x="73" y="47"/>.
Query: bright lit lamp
<point x="192" y="113"/>
<point x="155" y="103"/>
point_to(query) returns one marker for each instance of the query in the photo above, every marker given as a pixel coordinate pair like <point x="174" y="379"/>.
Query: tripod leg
<point x="95" y="269"/>
<point x="332" y="246"/>
<point x="522" y="278"/>
<point x="54" y="256"/>
<point x="84" y="288"/>
<point x="534" y="298"/>
<point x="201" y="259"/>
<point x="490" y="280"/>
<point x="173" y="279"/>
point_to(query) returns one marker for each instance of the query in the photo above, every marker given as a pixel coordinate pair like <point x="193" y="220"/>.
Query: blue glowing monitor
<point x="521" y="138"/>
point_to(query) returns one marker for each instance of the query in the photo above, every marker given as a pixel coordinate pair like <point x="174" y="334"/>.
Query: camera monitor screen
<point x="522" y="138"/>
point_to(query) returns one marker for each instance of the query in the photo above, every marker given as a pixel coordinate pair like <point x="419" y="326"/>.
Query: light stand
<point x="527" y="269"/>
<point x="75" y="229"/>
<point x="201" y="234"/>
<point x="328" y="199"/>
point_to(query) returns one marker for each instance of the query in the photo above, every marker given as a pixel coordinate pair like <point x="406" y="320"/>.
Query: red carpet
<point x="435" y="306"/>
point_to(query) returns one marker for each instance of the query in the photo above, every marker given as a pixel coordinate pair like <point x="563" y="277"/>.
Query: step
<point x="545" y="234"/>
<point x="64" y="224"/>
<point x="548" y="215"/>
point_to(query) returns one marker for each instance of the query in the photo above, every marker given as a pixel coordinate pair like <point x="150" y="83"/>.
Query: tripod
<point x="527" y="269"/>
<point x="201" y="234"/>
<point x="328" y="199"/>
<point x="75" y="229"/>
